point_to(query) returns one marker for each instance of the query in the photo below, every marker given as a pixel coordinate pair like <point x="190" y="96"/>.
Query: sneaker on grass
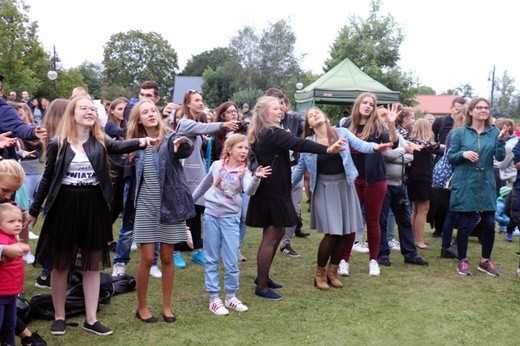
<point x="217" y="307"/>
<point x="178" y="260"/>
<point x="197" y="257"/>
<point x="289" y="251"/>
<point x="43" y="282"/>
<point x="97" y="328"/>
<point x="34" y="340"/>
<point x="119" y="269"/>
<point x="155" y="272"/>
<point x="463" y="267"/>
<point x="235" y="304"/>
<point x="488" y="267"/>
<point x="58" y="327"/>
<point x="373" y="268"/>
<point x="344" y="268"/>
<point x="360" y="247"/>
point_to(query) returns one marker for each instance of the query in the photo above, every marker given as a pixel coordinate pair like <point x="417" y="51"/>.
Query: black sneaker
<point x="34" y="340"/>
<point x="58" y="327"/>
<point x="301" y="233"/>
<point x="289" y="251"/>
<point x="446" y="253"/>
<point x="417" y="261"/>
<point x="384" y="261"/>
<point x="43" y="283"/>
<point x="97" y="328"/>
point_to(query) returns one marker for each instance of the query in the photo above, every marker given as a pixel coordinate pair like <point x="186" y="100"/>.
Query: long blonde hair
<point x="375" y="125"/>
<point x="135" y="129"/>
<point x="67" y="130"/>
<point x="422" y="129"/>
<point x="260" y="118"/>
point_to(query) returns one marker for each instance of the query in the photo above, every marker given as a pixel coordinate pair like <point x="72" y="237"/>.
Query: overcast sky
<point x="447" y="42"/>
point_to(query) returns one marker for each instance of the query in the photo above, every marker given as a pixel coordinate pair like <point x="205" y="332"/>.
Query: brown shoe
<point x="320" y="278"/>
<point x="332" y="276"/>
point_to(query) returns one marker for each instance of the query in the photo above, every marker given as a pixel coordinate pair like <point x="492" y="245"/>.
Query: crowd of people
<point x="185" y="178"/>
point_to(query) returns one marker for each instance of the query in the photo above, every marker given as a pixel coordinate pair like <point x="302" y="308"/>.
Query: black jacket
<point x="58" y="162"/>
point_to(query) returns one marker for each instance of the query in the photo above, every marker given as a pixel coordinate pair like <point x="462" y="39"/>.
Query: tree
<point x="93" y="78"/>
<point x="246" y="45"/>
<point x="25" y="63"/>
<point x="504" y="103"/>
<point x="463" y="90"/>
<point x="213" y="59"/>
<point x="133" y="57"/>
<point x="373" y="45"/>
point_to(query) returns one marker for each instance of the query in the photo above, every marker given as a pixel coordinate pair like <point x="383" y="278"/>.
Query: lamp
<point x="299" y="86"/>
<point x="52" y="74"/>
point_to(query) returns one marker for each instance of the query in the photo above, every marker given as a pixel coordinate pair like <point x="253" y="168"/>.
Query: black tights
<point x="271" y="238"/>
<point x="333" y="247"/>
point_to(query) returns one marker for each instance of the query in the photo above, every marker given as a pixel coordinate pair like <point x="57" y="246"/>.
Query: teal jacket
<point x="473" y="184"/>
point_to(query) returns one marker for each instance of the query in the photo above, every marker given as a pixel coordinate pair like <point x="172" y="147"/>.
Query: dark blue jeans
<point x="467" y="222"/>
<point x="397" y="199"/>
<point x="447" y="229"/>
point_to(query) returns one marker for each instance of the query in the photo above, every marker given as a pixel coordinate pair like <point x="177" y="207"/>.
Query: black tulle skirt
<point x="264" y="212"/>
<point x="74" y="231"/>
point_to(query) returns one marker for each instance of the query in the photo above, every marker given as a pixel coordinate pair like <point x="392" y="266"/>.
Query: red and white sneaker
<point x="235" y="304"/>
<point x="217" y="307"/>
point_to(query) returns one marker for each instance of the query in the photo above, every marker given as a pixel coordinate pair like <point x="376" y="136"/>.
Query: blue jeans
<point x="124" y="245"/>
<point x="221" y="236"/>
<point x="447" y="228"/>
<point x="390" y="225"/>
<point x="467" y="222"/>
<point x="397" y="199"/>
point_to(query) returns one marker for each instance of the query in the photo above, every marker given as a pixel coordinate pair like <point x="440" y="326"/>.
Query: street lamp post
<point x="52" y="74"/>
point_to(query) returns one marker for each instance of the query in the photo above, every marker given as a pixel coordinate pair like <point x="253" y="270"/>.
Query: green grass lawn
<point x="407" y="304"/>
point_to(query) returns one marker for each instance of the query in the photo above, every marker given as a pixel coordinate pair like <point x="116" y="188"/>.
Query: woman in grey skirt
<point x="335" y="208"/>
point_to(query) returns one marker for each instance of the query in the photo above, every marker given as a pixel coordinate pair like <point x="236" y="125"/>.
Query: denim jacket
<point x="176" y="202"/>
<point x="308" y="161"/>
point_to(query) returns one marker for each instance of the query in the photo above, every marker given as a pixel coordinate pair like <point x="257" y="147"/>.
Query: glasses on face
<point x="231" y="111"/>
<point x="482" y="108"/>
<point x="87" y="109"/>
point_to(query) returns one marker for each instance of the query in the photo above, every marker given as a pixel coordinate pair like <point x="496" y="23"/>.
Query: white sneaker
<point x="394" y="245"/>
<point x="33" y="235"/>
<point x="360" y="247"/>
<point x="155" y="272"/>
<point x="373" y="268"/>
<point x="216" y="307"/>
<point x="235" y="304"/>
<point x="28" y="258"/>
<point x="344" y="268"/>
<point x="134" y="246"/>
<point x="518" y="270"/>
<point x="241" y="257"/>
<point x="119" y="269"/>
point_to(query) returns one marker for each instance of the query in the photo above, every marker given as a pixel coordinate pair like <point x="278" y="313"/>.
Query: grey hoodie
<point x="395" y="159"/>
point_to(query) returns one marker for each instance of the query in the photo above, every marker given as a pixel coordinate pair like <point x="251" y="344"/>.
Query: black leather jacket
<point x="58" y="162"/>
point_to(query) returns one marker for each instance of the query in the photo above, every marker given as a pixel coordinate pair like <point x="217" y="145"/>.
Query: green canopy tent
<point x="342" y="85"/>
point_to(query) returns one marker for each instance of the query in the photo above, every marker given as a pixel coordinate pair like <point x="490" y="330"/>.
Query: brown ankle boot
<point x="320" y="278"/>
<point x="332" y="276"/>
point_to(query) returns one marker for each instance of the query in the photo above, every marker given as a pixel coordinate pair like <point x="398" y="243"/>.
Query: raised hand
<point x="6" y="141"/>
<point x="393" y="111"/>
<point x="383" y="146"/>
<point x="263" y="172"/>
<point x="177" y="142"/>
<point x="504" y="132"/>
<point x="40" y="132"/>
<point x="337" y="146"/>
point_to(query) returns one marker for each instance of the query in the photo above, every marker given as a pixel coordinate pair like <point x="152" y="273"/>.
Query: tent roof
<point x="342" y="85"/>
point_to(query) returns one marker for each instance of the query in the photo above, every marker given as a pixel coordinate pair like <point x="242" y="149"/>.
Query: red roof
<point x="434" y="104"/>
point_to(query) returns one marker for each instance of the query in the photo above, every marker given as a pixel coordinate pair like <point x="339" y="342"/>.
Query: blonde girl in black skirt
<point x="271" y="207"/>
<point x="78" y="192"/>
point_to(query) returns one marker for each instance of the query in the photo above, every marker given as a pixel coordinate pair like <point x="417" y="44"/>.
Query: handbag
<point x="442" y="173"/>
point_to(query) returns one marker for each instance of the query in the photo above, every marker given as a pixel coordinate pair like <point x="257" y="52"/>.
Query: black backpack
<point x="40" y="305"/>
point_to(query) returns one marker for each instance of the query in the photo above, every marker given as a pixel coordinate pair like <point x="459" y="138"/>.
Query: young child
<point x="11" y="271"/>
<point x="501" y="216"/>
<point x="222" y="188"/>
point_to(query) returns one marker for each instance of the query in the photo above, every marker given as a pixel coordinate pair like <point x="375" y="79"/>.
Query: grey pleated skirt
<point x="335" y="207"/>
